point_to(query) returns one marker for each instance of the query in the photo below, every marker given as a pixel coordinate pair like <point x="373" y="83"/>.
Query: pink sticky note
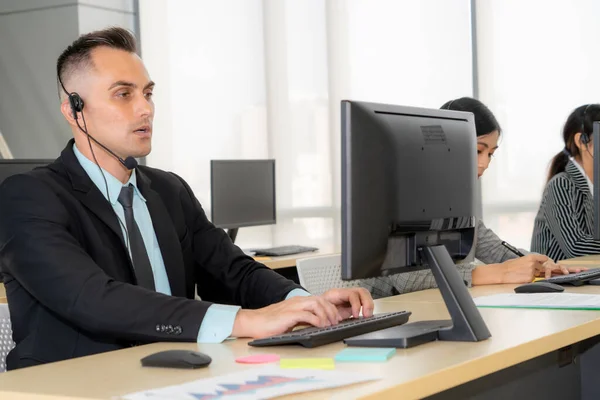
<point x="258" y="359"/>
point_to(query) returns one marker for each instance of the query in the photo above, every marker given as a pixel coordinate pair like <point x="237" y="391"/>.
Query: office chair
<point x="6" y="342"/>
<point x="319" y="274"/>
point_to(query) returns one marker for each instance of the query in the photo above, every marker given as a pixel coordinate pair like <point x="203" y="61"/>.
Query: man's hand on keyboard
<point x="283" y="316"/>
<point x="349" y="301"/>
<point x="321" y="311"/>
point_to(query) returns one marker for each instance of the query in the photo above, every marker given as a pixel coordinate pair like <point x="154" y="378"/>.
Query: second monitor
<point x="242" y="194"/>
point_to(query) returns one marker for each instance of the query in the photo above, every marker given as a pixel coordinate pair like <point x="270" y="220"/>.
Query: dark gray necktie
<point x="141" y="262"/>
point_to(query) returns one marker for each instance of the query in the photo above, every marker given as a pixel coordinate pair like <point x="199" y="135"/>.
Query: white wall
<point x="409" y="52"/>
<point x="206" y="58"/>
<point x="537" y="59"/>
<point x="256" y="79"/>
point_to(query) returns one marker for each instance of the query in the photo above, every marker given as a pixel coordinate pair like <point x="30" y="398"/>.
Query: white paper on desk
<point x="567" y="301"/>
<point x="255" y="383"/>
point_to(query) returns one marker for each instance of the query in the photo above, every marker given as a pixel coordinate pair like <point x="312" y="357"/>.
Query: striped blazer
<point x="564" y="222"/>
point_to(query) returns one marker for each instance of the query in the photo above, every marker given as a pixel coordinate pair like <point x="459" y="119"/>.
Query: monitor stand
<point x="466" y="324"/>
<point x="232" y="233"/>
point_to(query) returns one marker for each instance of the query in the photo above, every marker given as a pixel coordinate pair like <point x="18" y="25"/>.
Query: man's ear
<point x="67" y="112"/>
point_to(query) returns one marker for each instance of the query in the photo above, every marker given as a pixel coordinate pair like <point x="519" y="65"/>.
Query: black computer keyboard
<point x="577" y="279"/>
<point x="284" y="250"/>
<point x="313" y="337"/>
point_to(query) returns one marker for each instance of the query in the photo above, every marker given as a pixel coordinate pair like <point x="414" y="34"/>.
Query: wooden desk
<point x="517" y="336"/>
<point x="2" y="294"/>
<point x="587" y="261"/>
<point x="31" y="396"/>
<point x="290" y="261"/>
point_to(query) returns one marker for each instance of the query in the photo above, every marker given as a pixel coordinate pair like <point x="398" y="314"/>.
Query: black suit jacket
<point x="69" y="281"/>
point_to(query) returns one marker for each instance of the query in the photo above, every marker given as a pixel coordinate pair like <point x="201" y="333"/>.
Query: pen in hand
<point x="513" y="249"/>
<point x="518" y="253"/>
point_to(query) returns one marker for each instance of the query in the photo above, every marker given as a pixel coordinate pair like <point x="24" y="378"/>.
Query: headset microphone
<point x="129" y="162"/>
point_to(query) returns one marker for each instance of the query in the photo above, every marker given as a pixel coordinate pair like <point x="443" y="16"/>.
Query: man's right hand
<point x="284" y="316"/>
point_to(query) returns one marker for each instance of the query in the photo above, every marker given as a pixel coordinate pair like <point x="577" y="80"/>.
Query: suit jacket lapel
<point x="168" y="240"/>
<point x="97" y="203"/>
<point x="86" y="192"/>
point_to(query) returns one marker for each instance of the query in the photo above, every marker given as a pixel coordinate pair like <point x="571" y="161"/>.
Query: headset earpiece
<point x="76" y="103"/>
<point x="585" y="138"/>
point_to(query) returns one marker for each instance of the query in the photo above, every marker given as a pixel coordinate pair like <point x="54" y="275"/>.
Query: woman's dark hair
<point x="580" y="120"/>
<point x="485" y="121"/>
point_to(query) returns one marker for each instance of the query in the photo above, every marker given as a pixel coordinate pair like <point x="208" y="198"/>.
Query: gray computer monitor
<point x="409" y="179"/>
<point x="242" y="193"/>
<point x="409" y="199"/>
<point x="18" y="166"/>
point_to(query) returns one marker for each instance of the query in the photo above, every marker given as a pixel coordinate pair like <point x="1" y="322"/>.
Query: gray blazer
<point x="488" y="250"/>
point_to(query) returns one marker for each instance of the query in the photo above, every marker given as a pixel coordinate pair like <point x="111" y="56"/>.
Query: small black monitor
<point x="409" y="180"/>
<point x="242" y="193"/>
<point x="19" y="166"/>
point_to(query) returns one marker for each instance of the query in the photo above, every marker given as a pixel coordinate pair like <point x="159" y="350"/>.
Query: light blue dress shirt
<point x="140" y="212"/>
<point x="219" y="318"/>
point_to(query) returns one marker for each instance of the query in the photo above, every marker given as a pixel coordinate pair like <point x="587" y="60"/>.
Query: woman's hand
<point x="525" y="269"/>
<point x="520" y="270"/>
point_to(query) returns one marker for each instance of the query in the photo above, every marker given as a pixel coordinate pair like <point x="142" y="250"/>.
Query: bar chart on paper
<point x="261" y="383"/>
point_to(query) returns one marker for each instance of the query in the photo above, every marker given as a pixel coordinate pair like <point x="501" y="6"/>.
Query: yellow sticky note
<point x="307" y="363"/>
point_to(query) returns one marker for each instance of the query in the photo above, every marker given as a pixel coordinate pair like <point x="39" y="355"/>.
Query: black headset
<point x="76" y="103"/>
<point x="585" y="137"/>
<point x="449" y="104"/>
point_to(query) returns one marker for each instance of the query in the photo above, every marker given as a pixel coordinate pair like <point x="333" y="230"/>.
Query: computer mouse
<point x="539" y="287"/>
<point x="176" y="359"/>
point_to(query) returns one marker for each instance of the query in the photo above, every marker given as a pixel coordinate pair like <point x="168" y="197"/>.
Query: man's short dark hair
<point x="77" y="55"/>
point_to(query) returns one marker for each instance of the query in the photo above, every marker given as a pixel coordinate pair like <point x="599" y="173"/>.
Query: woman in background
<point x="564" y="224"/>
<point x="503" y="266"/>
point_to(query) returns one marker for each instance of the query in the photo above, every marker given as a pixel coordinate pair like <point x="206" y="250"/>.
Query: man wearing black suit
<point x="99" y="254"/>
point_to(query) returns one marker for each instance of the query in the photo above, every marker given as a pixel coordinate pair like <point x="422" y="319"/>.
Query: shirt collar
<point x="114" y="185"/>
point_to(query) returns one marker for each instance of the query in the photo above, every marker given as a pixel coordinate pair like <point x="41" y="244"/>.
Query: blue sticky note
<point x="365" y="354"/>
